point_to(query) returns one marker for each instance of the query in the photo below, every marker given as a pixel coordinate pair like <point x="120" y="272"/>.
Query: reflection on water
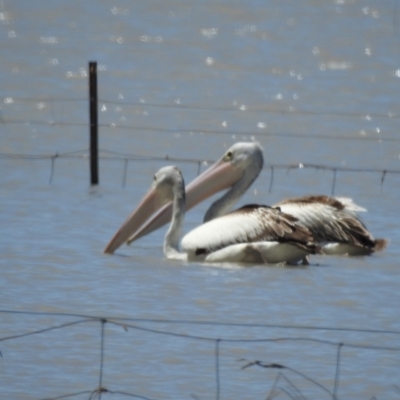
<point x="314" y="83"/>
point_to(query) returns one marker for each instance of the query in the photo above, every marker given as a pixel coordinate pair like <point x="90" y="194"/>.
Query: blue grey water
<point x="315" y="82"/>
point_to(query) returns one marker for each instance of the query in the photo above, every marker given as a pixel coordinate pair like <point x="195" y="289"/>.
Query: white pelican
<point x="252" y="234"/>
<point x="334" y="222"/>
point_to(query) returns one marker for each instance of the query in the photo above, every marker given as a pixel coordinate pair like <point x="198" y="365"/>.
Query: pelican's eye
<point x="228" y="156"/>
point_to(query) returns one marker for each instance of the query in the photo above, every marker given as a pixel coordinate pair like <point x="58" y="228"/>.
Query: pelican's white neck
<point x="172" y="237"/>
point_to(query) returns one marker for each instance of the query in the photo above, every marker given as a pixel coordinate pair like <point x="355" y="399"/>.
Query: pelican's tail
<point x="380" y="244"/>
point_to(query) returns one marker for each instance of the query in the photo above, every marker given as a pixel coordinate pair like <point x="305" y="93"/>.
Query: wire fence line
<point x="137" y="324"/>
<point x="127" y="158"/>
<point x="42" y="103"/>
<point x="177" y="105"/>
<point x="254" y="134"/>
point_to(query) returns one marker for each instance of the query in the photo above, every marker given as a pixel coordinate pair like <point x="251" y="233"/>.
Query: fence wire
<point x="48" y="103"/>
<point x="127" y="158"/>
<point x="177" y="106"/>
<point x="136" y="324"/>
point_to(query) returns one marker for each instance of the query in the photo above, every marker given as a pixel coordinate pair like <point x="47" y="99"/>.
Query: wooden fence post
<point x="94" y="164"/>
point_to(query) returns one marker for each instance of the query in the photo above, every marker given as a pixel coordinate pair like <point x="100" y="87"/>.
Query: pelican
<point x="251" y="234"/>
<point x="333" y="221"/>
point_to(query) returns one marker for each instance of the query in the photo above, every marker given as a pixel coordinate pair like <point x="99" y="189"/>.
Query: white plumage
<point x="257" y="234"/>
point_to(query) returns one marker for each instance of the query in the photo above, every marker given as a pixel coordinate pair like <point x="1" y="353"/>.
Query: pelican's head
<point x="243" y="155"/>
<point x="242" y="160"/>
<point x="166" y="183"/>
<point x="246" y="159"/>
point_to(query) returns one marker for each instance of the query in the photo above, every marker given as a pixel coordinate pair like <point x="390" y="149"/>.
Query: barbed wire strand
<point x="267" y="133"/>
<point x="114" y="156"/>
<point x="97" y="392"/>
<point x="239" y="108"/>
<point x="259" y="340"/>
<point x="204" y="323"/>
<point x="45" y="329"/>
<point x="65" y="396"/>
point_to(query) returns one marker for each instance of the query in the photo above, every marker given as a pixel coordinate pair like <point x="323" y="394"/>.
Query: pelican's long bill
<point x="219" y="176"/>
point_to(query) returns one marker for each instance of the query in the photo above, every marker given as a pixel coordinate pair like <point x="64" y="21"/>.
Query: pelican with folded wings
<point x="251" y="234"/>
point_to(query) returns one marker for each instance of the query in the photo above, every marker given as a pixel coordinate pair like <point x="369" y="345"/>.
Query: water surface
<point x="313" y="82"/>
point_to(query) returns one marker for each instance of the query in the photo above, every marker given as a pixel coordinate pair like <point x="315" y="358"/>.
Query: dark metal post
<point x="94" y="165"/>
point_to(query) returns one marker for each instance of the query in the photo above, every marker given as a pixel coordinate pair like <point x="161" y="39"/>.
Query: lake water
<point x="314" y="82"/>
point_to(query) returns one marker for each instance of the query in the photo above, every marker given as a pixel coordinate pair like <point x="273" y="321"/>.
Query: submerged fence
<point x="93" y="154"/>
<point x="282" y="383"/>
<point x="125" y="159"/>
